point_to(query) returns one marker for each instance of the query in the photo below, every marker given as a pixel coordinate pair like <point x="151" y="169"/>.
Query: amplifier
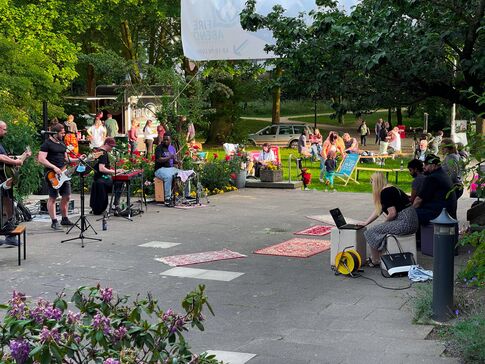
<point x="43" y="207"/>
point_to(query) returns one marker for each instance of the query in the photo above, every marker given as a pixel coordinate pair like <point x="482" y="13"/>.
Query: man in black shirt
<point x="53" y="157"/>
<point x="5" y="187"/>
<point x="436" y="192"/>
<point x="102" y="181"/>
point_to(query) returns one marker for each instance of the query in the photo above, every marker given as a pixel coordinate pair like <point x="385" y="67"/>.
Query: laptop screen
<point x="338" y="218"/>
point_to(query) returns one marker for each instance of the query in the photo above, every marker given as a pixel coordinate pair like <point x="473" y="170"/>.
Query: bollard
<point x="444" y="242"/>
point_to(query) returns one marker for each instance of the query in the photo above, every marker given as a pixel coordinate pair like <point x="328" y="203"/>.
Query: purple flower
<point x="120" y="332"/>
<point x="101" y="322"/>
<point x="167" y="315"/>
<point x="18" y="308"/>
<point x="53" y="313"/>
<point x="106" y="294"/>
<point x="19" y="349"/>
<point x="111" y="361"/>
<point x="47" y="335"/>
<point x="73" y="318"/>
<point x="457" y="312"/>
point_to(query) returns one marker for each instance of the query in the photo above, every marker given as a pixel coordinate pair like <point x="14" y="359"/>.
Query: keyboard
<point x="128" y="176"/>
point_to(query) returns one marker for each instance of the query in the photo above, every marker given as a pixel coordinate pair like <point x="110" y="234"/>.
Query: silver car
<point x="283" y="135"/>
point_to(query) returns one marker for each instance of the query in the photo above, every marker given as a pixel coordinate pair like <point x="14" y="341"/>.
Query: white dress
<point x="97" y="136"/>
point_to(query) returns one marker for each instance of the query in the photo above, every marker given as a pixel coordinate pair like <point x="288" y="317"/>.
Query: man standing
<point x="5" y="187"/>
<point x="53" y="157"/>
<point x="111" y="126"/>
<point x="436" y="192"/>
<point x="377" y="130"/>
<point x="165" y="160"/>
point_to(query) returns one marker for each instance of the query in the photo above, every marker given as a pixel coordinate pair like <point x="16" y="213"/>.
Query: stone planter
<point x="267" y="175"/>
<point x="241" y="179"/>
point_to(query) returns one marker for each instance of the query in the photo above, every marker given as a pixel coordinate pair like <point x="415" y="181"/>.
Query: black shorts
<point x="65" y="190"/>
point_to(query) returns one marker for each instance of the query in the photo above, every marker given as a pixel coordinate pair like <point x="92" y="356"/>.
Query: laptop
<point x="340" y="222"/>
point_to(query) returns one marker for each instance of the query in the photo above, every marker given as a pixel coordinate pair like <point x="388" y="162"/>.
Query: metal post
<point x="289" y="168"/>
<point x="444" y="242"/>
<point x="425" y="122"/>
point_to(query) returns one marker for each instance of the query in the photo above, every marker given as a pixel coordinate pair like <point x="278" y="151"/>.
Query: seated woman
<point x="351" y="144"/>
<point x="401" y="217"/>
<point x="316" y="141"/>
<point x="265" y="157"/>
<point x="395" y="141"/>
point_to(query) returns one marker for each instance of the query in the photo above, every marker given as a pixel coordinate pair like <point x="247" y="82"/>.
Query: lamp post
<point x="425" y="122"/>
<point x="444" y="242"/>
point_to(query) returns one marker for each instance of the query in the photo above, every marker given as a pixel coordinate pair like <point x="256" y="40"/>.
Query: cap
<point x="432" y="159"/>
<point x="110" y="141"/>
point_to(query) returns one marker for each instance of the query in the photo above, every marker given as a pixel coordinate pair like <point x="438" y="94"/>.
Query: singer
<point x="53" y="156"/>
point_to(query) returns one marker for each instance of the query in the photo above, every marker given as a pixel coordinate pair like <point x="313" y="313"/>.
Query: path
<point x="274" y="309"/>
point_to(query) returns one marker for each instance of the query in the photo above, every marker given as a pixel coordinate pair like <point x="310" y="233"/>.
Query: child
<point x="330" y="166"/>
<point x="306" y="178"/>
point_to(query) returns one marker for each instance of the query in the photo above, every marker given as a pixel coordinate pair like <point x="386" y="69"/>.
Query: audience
<point x="266" y="156"/>
<point x="422" y="151"/>
<point x="452" y="165"/>
<point x="351" y="144"/>
<point x="436" y="192"/>
<point x="400" y="216"/>
<point x="316" y="141"/>
<point x="395" y="141"/>
<point x="415" y="168"/>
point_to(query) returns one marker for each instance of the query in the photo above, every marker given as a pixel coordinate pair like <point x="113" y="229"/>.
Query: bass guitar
<point x="57" y="180"/>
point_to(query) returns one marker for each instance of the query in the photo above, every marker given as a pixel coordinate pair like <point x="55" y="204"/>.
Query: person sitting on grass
<point x="330" y="167"/>
<point x="401" y="217"/>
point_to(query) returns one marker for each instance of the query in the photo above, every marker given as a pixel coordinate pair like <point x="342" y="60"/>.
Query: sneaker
<point x="11" y="241"/>
<point x="169" y="204"/>
<point x="56" y="226"/>
<point x="321" y="179"/>
<point x="66" y="222"/>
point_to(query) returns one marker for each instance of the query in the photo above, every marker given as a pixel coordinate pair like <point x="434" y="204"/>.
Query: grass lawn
<point x="248" y="126"/>
<point x="288" y="107"/>
<point x="350" y="119"/>
<point x="364" y="176"/>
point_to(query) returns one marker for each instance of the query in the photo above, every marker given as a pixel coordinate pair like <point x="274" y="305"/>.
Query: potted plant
<point x="271" y="172"/>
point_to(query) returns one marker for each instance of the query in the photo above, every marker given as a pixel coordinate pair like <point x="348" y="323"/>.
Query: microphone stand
<point x="84" y="223"/>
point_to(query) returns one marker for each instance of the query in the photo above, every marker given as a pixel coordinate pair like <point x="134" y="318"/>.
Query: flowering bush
<point x="137" y="161"/>
<point x="272" y="166"/>
<point x="104" y="329"/>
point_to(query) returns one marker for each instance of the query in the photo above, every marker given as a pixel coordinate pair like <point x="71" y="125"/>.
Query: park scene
<point x="242" y="181"/>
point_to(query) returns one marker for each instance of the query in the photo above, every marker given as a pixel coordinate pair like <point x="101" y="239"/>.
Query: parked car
<point x="283" y="135"/>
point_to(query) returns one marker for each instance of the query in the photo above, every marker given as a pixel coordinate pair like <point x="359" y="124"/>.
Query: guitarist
<point x="53" y="156"/>
<point x="6" y="184"/>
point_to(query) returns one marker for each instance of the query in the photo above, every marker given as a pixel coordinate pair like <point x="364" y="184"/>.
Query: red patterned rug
<point x="317" y="230"/>
<point x="204" y="257"/>
<point x="298" y="247"/>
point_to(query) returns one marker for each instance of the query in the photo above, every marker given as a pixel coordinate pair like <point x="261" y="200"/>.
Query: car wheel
<point x="294" y="144"/>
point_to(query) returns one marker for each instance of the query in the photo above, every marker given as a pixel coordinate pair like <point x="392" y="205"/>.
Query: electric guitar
<point x="57" y="180"/>
<point x="9" y="171"/>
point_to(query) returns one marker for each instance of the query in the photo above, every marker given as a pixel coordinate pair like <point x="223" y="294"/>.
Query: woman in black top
<point x="401" y="218"/>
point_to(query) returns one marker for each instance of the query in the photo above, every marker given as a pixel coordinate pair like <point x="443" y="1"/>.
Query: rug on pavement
<point x="298" y="247"/>
<point x="317" y="230"/>
<point x="204" y="257"/>
<point x="327" y="219"/>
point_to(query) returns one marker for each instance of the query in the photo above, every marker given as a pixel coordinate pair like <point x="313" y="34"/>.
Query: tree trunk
<point x="91" y="86"/>
<point x="275" y="115"/>
<point x="399" y="116"/>
<point x="129" y="51"/>
<point x="222" y="121"/>
<point x="389" y="117"/>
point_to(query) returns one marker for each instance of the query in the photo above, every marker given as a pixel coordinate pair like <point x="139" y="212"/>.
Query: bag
<point x="396" y="264"/>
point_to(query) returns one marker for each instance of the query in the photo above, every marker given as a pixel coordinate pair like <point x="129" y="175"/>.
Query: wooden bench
<point x="377" y="169"/>
<point x="19" y="232"/>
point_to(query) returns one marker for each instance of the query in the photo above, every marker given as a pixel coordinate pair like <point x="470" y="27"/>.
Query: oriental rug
<point x="298" y="248"/>
<point x="317" y="230"/>
<point x="204" y="257"/>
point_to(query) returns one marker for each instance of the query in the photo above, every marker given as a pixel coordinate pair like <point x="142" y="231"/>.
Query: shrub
<point x="473" y="274"/>
<point x="215" y="175"/>
<point x="104" y="329"/>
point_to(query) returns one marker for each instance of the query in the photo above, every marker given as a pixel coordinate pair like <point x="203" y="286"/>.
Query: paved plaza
<point x="268" y="309"/>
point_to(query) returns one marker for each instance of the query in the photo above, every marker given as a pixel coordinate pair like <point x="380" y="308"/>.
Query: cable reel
<point x="348" y="262"/>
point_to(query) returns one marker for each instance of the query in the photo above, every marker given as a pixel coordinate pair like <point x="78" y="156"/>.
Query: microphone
<point x="46" y="132"/>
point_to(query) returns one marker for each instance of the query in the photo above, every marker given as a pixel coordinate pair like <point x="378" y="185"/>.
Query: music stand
<point x="84" y="223"/>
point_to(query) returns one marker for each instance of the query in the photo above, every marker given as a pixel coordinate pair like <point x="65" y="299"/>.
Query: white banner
<point x="211" y="29"/>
